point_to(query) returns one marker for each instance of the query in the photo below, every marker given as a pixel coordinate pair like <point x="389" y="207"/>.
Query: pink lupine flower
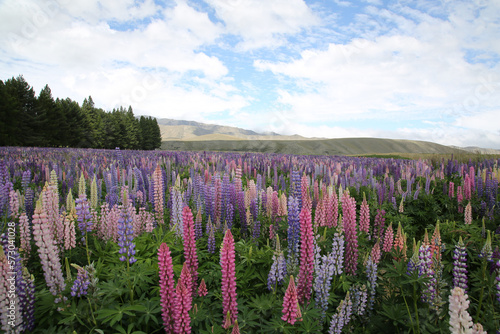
<point x="364" y="216"/>
<point x="375" y="253"/>
<point x="400" y="243"/>
<point x="468" y="214"/>
<point x="388" y="239"/>
<point x="236" y="328"/>
<point x="349" y="225"/>
<point x="304" y="285"/>
<point x="202" y="290"/>
<point x="451" y="190"/>
<point x="47" y="249"/>
<point x="167" y="292"/>
<point x="291" y="310"/>
<point x="14" y="204"/>
<point x="69" y="233"/>
<point x="183" y="301"/>
<point x="229" y="303"/>
<point x="460" y="319"/>
<point x="190" y="248"/>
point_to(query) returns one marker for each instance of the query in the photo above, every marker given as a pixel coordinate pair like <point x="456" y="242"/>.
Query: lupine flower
<point x="364" y="216"/>
<point x="400" y="243"/>
<point x="81" y="283"/>
<point x="126" y="235"/>
<point x="183" y="301"/>
<point x="157" y="181"/>
<point x="278" y="268"/>
<point x="69" y="233"/>
<point x="211" y="236"/>
<point x="486" y="251"/>
<point x="388" y="239"/>
<point x="425" y="269"/>
<point x="414" y="259"/>
<point x="49" y="255"/>
<point x="229" y="303"/>
<point x="306" y="256"/>
<point x="371" y="273"/>
<point x="325" y="267"/>
<point x="342" y="317"/>
<point x="468" y="214"/>
<point x="338" y="253"/>
<point x="236" y="328"/>
<point x="460" y="319"/>
<point x="349" y="225"/>
<point x="167" y="292"/>
<point x="378" y="228"/>
<point x="291" y="308"/>
<point x="460" y="265"/>
<point x="198" y="232"/>
<point x="190" y="248"/>
<point x="5" y="298"/>
<point x="359" y="299"/>
<point x="25" y="235"/>
<point x="83" y="213"/>
<point x="375" y="252"/>
<point x="202" y="289"/>
<point x="293" y="231"/>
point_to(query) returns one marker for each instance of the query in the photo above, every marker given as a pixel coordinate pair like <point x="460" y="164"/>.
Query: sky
<point x="419" y="70"/>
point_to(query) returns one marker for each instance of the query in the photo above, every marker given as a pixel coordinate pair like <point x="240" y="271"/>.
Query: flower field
<point x="118" y="241"/>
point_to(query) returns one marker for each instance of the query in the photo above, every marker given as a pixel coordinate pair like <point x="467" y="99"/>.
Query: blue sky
<point x="423" y="70"/>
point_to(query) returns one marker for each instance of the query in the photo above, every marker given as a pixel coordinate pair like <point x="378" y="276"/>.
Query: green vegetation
<point x="28" y="120"/>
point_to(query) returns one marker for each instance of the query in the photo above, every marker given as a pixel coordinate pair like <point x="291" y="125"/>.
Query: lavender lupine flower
<point x="293" y="231"/>
<point x="460" y="265"/>
<point x="371" y="273"/>
<point x="338" y="253"/>
<point x="81" y="283"/>
<point x="278" y="268"/>
<point x="342" y="317"/>
<point x="498" y="280"/>
<point x="359" y="299"/>
<point x="256" y="231"/>
<point x="324" y="267"/>
<point x="126" y="236"/>
<point x="487" y="251"/>
<point x="413" y="262"/>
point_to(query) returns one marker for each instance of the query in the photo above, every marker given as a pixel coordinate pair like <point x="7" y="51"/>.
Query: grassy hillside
<point x="343" y="146"/>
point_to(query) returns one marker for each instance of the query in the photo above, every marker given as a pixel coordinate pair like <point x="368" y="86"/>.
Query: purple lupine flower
<point x="293" y="231"/>
<point x="278" y="268"/>
<point x="83" y="212"/>
<point x="256" y="231"/>
<point x="425" y="269"/>
<point x="371" y="273"/>
<point x="460" y="265"/>
<point x="378" y="227"/>
<point x="342" y="317"/>
<point x="126" y="235"/>
<point x="498" y="280"/>
<point x="413" y="262"/>
<point x="81" y="283"/>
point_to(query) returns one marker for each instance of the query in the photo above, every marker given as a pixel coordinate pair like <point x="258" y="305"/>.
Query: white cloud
<point x="263" y="23"/>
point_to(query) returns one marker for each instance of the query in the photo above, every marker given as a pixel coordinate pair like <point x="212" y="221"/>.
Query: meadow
<point x="124" y="241"/>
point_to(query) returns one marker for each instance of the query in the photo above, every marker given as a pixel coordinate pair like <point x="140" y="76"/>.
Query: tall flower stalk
<point x="228" y="269"/>
<point x="304" y="284"/>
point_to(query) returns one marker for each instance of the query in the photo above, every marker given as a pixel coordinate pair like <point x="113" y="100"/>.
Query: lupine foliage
<point x="241" y="225"/>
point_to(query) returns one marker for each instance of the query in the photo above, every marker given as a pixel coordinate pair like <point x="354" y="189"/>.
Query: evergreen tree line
<point x="30" y="120"/>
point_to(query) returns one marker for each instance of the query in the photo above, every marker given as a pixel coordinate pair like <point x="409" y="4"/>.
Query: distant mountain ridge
<point x="195" y="136"/>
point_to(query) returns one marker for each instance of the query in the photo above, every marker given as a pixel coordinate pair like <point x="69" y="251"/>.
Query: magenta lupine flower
<point x="460" y="265"/>
<point x="388" y="239"/>
<point x="351" y="239"/>
<point x="291" y="310"/>
<point x="183" y="301"/>
<point x="158" y="193"/>
<point x="47" y="249"/>
<point x="305" y="278"/>
<point x="364" y="216"/>
<point x="451" y="190"/>
<point x="167" y="292"/>
<point x="229" y="303"/>
<point x="190" y="255"/>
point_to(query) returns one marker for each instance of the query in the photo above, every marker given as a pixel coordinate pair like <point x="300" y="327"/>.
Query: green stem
<point x="415" y="306"/>
<point x="87" y="246"/>
<point x="409" y="314"/>
<point x="481" y="295"/>
<point x="92" y="311"/>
